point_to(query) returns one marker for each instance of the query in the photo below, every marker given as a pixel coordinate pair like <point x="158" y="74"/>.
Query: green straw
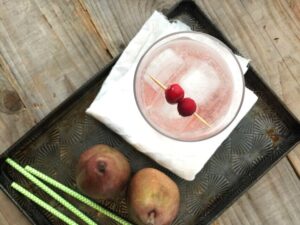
<point x="75" y="194"/>
<point x="50" y="192"/>
<point x="43" y="204"/>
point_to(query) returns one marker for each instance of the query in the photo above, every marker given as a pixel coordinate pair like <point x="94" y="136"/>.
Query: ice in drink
<point x="206" y="76"/>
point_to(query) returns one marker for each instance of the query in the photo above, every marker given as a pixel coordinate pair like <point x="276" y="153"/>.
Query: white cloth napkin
<point x="115" y="106"/>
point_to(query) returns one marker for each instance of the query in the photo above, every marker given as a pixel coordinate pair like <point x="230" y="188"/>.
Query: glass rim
<point x="227" y="49"/>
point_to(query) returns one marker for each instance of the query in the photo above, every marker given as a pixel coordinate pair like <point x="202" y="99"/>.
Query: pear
<point x="153" y="198"/>
<point x="102" y="172"/>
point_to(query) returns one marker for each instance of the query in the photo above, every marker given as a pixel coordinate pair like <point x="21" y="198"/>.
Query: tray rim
<point x="50" y="118"/>
<point x="23" y="211"/>
<point x="194" y="6"/>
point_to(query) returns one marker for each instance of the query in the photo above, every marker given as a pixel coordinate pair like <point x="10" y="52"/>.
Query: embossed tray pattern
<point x="265" y="135"/>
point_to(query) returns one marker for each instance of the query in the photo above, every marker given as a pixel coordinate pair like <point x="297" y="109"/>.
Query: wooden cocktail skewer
<point x="201" y="119"/>
<point x="158" y="82"/>
<point x="164" y="88"/>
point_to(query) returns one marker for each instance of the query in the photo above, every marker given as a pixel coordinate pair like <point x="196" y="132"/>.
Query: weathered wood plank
<point x="273" y="200"/>
<point x="280" y="21"/>
<point x="15" y="118"/>
<point x="9" y="214"/>
<point x="294" y="158"/>
<point x="268" y="33"/>
<point x="276" y="47"/>
<point x="282" y="28"/>
<point x="251" y="26"/>
<point x="119" y="21"/>
<point x="47" y="50"/>
<point x="51" y="48"/>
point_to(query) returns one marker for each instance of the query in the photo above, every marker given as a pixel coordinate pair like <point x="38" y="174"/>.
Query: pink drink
<point x="207" y="71"/>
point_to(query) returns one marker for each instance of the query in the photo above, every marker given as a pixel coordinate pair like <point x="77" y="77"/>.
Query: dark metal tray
<point x="265" y="135"/>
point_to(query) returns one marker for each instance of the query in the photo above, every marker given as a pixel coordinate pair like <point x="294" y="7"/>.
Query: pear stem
<point x="164" y="88"/>
<point x="101" y="167"/>
<point x="151" y="219"/>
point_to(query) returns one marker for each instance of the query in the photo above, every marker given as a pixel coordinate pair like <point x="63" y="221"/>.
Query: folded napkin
<point x="115" y="106"/>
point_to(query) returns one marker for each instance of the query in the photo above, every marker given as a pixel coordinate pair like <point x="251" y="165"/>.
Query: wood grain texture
<point x="294" y="158"/>
<point x="272" y="200"/>
<point x="49" y="48"/>
<point x="256" y="28"/>
<point x="13" y="112"/>
<point x="268" y="32"/>
<point x="118" y="21"/>
<point x="9" y="214"/>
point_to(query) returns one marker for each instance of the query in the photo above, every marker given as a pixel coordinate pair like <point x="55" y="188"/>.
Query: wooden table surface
<point x="49" y="48"/>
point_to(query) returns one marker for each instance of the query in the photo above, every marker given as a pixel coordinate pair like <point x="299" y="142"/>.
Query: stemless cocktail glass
<point x="209" y="73"/>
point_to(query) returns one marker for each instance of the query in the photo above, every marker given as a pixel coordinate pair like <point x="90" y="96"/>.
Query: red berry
<point x="186" y="107"/>
<point x="174" y="93"/>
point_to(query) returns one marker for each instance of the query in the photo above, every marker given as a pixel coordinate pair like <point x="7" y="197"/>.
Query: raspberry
<point x="186" y="107"/>
<point x="174" y="93"/>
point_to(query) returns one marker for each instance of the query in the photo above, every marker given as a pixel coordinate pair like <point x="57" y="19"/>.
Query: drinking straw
<point x="50" y="192"/>
<point x="43" y="204"/>
<point x="75" y="195"/>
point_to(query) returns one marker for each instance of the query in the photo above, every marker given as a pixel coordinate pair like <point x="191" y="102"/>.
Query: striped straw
<point x="50" y="192"/>
<point x="75" y="195"/>
<point x="43" y="204"/>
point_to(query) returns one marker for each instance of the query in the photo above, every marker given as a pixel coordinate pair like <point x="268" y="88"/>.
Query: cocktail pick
<point x="164" y="88"/>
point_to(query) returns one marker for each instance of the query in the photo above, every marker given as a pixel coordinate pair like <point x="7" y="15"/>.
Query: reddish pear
<point x="102" y="172"/>
<point x="153" y="198"/>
